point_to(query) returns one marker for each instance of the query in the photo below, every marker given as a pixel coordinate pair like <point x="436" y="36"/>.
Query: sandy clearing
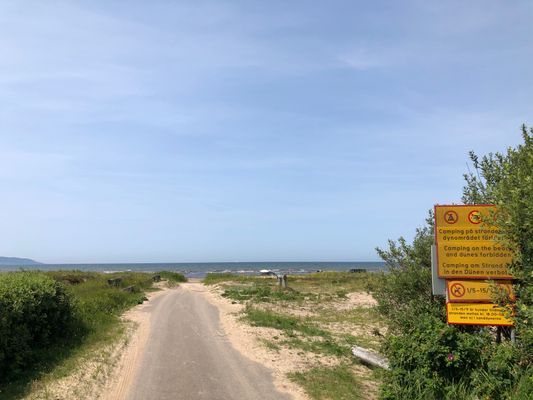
<point x="356" y="299"/>
<point x="250" y="340"/>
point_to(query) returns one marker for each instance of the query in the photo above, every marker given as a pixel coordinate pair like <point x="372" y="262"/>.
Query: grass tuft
<point x="287" y="323"/>
<point x="338" y="383"/>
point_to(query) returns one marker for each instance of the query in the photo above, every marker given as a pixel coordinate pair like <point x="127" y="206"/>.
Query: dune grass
<point x="337" y="383"/>
<point x="316" y="288"/>
<point x="172" y="278"/>
<point x="269" y="319"/>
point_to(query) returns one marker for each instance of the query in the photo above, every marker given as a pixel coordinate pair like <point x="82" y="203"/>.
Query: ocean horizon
<point x="198" y="270"/>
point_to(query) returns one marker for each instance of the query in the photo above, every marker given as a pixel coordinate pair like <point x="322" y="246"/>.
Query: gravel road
<point x="187" y="355"/>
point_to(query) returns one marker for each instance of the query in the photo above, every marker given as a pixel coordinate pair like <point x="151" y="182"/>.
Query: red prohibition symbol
<point x="474" y="217"/>
<point x="451" y="217"/>
<point x="457" y="290"/>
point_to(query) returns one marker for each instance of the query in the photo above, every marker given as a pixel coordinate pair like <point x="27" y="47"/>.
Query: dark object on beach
<point x="156" y="278"/>
<point x="114" y="282"/>
<point x="129" y="289"/>
<point x="357" y="270"/>
<point x="267" y="272"/>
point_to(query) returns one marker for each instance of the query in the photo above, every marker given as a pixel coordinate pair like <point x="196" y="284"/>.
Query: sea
<point x="199" y="270"/>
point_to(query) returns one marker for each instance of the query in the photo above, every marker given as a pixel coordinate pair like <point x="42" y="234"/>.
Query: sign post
<point x="473" y="263"/>
<point x="438" y="285"/>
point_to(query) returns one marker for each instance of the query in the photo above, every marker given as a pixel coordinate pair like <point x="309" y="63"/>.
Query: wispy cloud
<point x="193" y="120"/>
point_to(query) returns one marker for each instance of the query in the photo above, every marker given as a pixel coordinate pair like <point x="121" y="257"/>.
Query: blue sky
<point x="247" y="131"/>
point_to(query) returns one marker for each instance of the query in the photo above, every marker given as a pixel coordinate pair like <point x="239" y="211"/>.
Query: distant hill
<point x="17" y="261"/>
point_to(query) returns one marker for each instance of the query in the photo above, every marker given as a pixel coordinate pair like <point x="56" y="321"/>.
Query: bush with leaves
<point x="506" y="179"/>
<point x="34" y="311"/>
<point x="432" y="360"/>
<point x="404" y="293"/>
<point x="429" y="359"/>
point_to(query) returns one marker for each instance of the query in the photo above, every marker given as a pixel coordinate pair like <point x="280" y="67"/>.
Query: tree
<point x="507" y="181"/>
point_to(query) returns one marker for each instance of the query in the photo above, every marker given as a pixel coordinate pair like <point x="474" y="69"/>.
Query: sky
<point x="177" y="131"/>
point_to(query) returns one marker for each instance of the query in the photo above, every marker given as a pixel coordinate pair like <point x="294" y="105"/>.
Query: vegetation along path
<point x="187" y="356"/>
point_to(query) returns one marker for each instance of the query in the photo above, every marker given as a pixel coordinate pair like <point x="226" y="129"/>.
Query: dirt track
<point x="186" y="355"/>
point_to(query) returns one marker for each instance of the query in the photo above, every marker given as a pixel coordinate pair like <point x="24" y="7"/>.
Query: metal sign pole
<point x="438" y="285"/>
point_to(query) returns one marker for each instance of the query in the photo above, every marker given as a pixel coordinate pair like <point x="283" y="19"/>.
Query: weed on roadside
<point x="323" y="383"/>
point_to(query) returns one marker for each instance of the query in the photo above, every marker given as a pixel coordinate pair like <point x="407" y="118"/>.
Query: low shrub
<point x="35" y="310"/>
<point x="172" y="277"/>
<point x="432" y="360"/>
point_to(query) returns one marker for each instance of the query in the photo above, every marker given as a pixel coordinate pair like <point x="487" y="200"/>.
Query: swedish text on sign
<point x="467" y="246"/>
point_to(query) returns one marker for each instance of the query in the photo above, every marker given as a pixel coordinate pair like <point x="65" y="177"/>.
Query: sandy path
<point x="122" y="379"/>
<point x="181" y="351"/>
<point x="245" y="339"/>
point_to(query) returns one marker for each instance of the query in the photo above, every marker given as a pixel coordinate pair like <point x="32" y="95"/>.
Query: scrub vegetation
<point x="431" y="360"/>
<point x="50" y="320"/>
<point x="321" y="316"/>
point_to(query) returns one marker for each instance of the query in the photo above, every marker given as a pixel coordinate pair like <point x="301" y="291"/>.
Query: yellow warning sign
<point x="476" y="314"/>
<point x="467" y="245"/>
<point x="476" y="291"/>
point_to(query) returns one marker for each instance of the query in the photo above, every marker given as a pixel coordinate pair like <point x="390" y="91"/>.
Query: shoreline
<point x="200" y="270"/>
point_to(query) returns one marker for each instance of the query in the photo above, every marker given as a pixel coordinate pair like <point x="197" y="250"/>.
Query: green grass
<point x="261" y="293"/>
<point x="328" y="346"/>
<point x="286" y="323"/>
<point x="358" y="315"/>
<point x="301" y="333"/>
<point x="318" y="287"/>
<point x="173" y="278"/>
<point x="338" y="383"/>
<point x="97" y="310"/>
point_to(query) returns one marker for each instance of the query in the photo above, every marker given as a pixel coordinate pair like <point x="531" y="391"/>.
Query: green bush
<point x="507" y="181"/>
<point x="432" y="360"/>
<point x="35" y="310"/>
<point x="172" y="277"/>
